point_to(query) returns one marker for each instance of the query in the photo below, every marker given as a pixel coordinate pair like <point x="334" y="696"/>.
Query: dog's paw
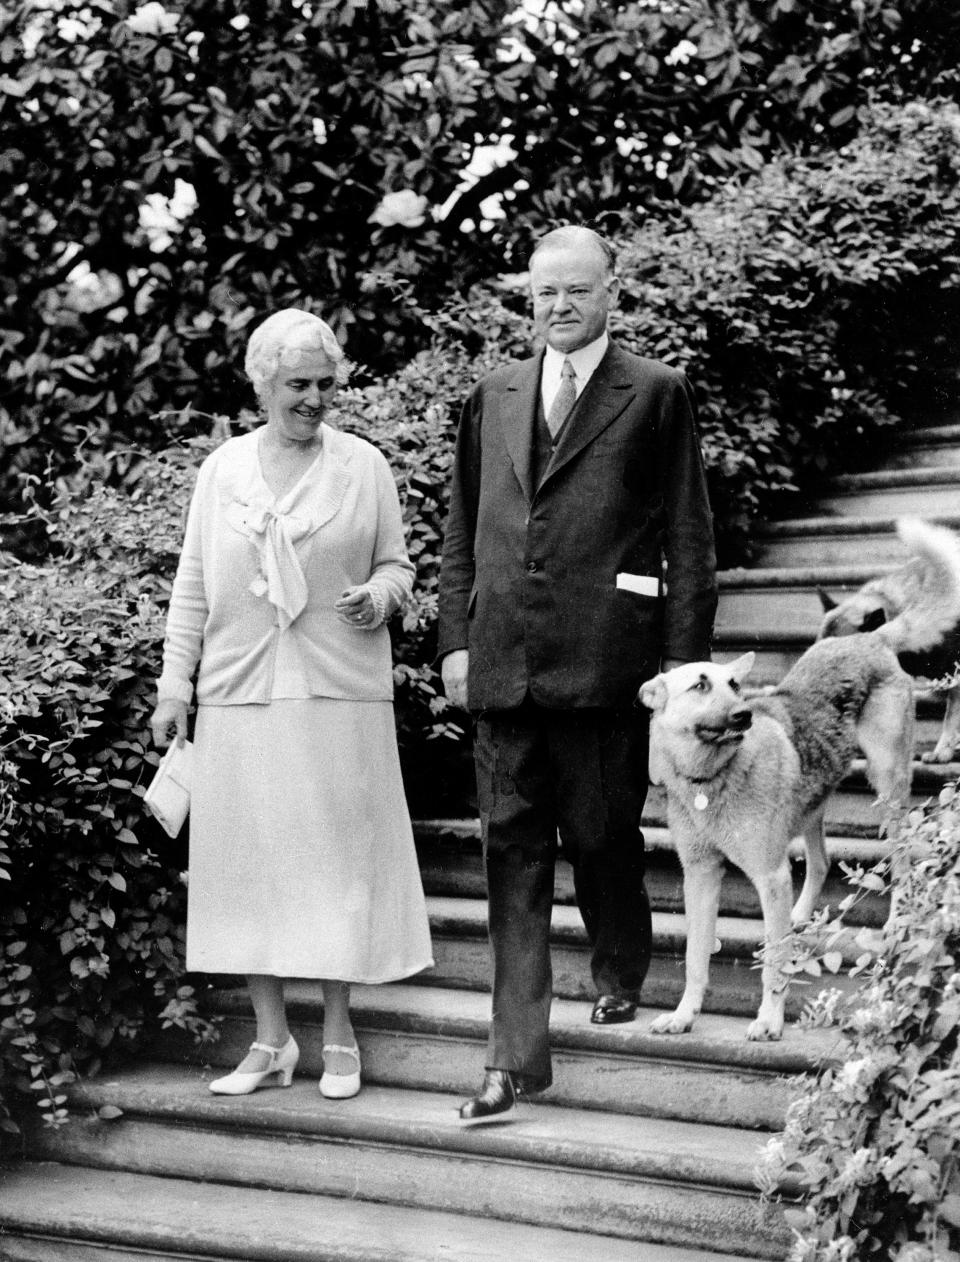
<point x="679" y="1022"/>
<point x="940" y="754"/>
<point x="765" y="1030"/>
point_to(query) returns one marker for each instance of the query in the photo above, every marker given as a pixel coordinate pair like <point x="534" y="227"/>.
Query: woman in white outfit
<point x="302" y="861"/>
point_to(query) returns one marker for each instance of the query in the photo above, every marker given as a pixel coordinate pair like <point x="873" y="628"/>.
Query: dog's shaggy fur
<point x="915" y="609"/>
<point x="745" y="777"/>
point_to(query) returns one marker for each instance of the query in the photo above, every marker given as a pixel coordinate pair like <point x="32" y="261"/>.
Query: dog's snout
<point x="740" y="719"/>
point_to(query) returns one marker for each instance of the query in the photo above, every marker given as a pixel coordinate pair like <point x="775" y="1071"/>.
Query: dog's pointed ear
<point x="742" y="667"/>
<point x="827" y="601"/>
<point x="653" y="694"/>
<point x="874" y="620"/>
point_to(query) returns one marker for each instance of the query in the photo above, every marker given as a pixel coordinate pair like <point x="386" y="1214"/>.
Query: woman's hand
<point x="453" y="671"/>
<point x="356" y="607"/>
<point x="170" y="714"/>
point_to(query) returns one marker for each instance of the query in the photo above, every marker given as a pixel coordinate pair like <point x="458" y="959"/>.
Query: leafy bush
<point x="204" y="163"/>
<point x="876" y="1138"/>
<point x="91" y="924"/>
<point x="812" y="305"/>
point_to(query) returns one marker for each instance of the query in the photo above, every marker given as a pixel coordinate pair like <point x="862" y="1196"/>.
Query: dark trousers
<point x="582" y="774"/>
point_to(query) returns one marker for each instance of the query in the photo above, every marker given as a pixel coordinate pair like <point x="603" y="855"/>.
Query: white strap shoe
<point x="340" y="1086"/>
<point x="282" y="1063"/>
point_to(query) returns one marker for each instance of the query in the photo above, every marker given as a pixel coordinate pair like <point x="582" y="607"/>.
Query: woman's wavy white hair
<point x="283" y="334"/>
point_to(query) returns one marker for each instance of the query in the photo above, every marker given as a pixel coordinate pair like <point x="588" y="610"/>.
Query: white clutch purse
<point x="168" y="795"/>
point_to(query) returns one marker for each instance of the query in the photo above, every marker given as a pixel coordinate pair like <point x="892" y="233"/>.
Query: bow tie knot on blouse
<point x="276" y="535"/>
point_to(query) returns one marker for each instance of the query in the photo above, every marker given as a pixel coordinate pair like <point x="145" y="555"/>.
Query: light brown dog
<point x="915" y="608"/>
<point x="744" y="777"/>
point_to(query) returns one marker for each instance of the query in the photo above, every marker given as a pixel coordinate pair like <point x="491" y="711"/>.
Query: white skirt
<point x="302" y="862"/>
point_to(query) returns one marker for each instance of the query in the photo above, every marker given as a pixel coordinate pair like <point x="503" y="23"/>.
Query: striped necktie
<point x="565" y="398"/>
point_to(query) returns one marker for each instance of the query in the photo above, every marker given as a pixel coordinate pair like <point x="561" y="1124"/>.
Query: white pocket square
<point x="642" y="584"/>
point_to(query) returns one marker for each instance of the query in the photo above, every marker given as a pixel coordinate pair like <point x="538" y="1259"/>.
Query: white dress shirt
<point x="584" y="361"/>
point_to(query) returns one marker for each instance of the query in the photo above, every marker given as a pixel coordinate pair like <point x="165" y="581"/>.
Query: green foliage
<point x="291" y="123"/>
<point x="876" y="1138"/>
<point x="91" y="924"/>
<point x="812" y="305"/>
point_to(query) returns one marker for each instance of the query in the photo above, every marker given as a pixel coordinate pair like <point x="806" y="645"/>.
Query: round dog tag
<point x="701" y="801"/>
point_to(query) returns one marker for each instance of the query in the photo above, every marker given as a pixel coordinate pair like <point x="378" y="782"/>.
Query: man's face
<point x="572" y="295"/>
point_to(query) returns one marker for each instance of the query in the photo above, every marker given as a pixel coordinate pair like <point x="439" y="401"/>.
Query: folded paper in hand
<point x="168" y="797"/>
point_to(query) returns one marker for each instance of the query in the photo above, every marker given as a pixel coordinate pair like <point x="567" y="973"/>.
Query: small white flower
<point x="89" y="290"/>
<point x="406" y="209"/>
<point x="153" y="19"/>
<point x="319" y="131"/>
<point x="848" y="1076"/>
<point x="184" y="200"/>
<point x="681" y="54"/>
<point x="70" y="29"/>
<point x="161" y="216"/>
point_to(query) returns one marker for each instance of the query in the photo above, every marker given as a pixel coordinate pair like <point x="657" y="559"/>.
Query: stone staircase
<point x="645" y="1147"/>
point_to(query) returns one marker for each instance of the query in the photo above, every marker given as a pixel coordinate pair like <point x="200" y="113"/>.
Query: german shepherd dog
<point x="915" y="608"/>
<point x="744" y="777"/>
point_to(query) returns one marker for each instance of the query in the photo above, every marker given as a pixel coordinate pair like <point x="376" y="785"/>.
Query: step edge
<point x="589" y="1158"/>
<point x="123" y="1233"/>
<point x="571" y="1032"/>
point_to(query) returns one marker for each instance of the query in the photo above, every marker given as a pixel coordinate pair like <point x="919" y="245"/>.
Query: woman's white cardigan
<point x="254" y="568"/>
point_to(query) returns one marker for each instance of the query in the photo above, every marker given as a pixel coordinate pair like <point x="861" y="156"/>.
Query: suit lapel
<point x="608" y="392"/>
<point x="518" y="406"/>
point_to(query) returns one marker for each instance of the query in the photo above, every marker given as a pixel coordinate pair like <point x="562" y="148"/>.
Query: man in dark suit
<point x="577" y="474"/>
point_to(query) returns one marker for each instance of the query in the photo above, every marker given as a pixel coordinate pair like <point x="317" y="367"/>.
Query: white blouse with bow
<point x="253" y="598"/>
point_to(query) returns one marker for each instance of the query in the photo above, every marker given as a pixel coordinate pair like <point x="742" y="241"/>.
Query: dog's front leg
<point x="701" y="898"/>
<point x="817" y="865"/>
<point x="944" y="749"/>
<point x="776" y="891"/>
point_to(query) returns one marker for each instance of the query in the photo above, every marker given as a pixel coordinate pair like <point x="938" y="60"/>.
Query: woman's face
<point x="301" y="391"/>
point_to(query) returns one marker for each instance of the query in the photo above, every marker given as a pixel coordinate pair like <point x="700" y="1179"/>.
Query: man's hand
<point x="453" y="670"/>
<point x="169" y="716"/>
<point x="669" y="663"/>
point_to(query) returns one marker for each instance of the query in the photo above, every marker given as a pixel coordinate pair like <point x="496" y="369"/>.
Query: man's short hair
<point x="574" y="235"/>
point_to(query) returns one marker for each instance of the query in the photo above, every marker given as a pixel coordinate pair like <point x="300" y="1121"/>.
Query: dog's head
<point x="702" y="700"/>
<point x="864" y="611"/>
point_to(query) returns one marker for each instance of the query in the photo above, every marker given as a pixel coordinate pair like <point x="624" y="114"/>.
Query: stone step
<point x="777" y="650"/>
<point x="810" y="541"/>
<point x="945" y="431"/>
<point x="935" y="454"/>
<point x="924" y="492"/>
<point x="59" y="1213"/>
<point x="894" y="479"/>
<point x="635" y="1178"/>
<point x="433" y="1038"/>
<point x="878" y="549"/>
<point x="451" y="865"/>
<point x="457" y="918"/>
<point x="761" y="601"/>
<point x="843" y="849"/>
<point x="850" y="809"/>
<point x="462" y="960"/>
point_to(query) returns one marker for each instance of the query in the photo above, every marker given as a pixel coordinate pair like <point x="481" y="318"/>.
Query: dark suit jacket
<point x="528" y="577"/>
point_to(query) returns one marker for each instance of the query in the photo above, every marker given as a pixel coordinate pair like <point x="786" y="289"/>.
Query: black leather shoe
<point x="612" y="1009"/>
<point x="497" y="1096"/>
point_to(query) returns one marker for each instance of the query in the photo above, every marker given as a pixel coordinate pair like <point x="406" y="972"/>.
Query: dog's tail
<point x="932" y="608"/>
